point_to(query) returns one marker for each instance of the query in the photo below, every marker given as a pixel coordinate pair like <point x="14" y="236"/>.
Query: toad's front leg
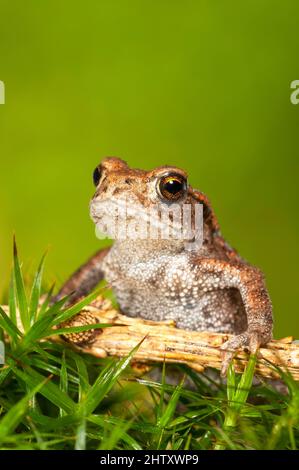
<point x="84" y="279"/>
<point x="251" y="285"/>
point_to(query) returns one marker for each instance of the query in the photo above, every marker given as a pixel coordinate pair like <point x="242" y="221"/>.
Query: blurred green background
<point x="204" y="85"/>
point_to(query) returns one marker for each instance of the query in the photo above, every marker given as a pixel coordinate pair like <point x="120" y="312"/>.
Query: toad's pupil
<point x="96" y="176"/>
<point x="173" y="186"/>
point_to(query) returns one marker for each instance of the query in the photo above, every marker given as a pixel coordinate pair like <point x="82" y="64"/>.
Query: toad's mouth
<point x="123" y="219"/>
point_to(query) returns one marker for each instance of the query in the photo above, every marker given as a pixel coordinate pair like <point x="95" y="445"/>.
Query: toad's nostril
<point x="116" y="191"/>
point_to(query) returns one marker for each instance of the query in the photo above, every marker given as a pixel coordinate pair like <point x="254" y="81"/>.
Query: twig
<point x="164" y="342"/>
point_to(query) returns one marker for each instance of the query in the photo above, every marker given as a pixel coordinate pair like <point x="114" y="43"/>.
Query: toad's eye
<point x="172" y="187"/>
<point x="96" y="176"/>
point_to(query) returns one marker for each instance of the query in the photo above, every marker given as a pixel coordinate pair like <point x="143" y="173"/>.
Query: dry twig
<point x="164" y="342"/>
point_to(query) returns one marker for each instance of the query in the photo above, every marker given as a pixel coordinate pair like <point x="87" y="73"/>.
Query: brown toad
<point x="209" y="287"/>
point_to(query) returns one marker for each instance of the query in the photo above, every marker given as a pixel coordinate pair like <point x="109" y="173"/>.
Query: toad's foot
<point x="249" y="341"/>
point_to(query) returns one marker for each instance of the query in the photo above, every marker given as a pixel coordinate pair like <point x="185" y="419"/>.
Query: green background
<point x="204" y="85"/>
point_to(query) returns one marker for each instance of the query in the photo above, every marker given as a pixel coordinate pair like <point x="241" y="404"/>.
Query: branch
<point x="163" y="342"/>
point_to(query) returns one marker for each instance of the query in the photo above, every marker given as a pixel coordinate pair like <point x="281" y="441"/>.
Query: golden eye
<point x="172" y="187"/>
